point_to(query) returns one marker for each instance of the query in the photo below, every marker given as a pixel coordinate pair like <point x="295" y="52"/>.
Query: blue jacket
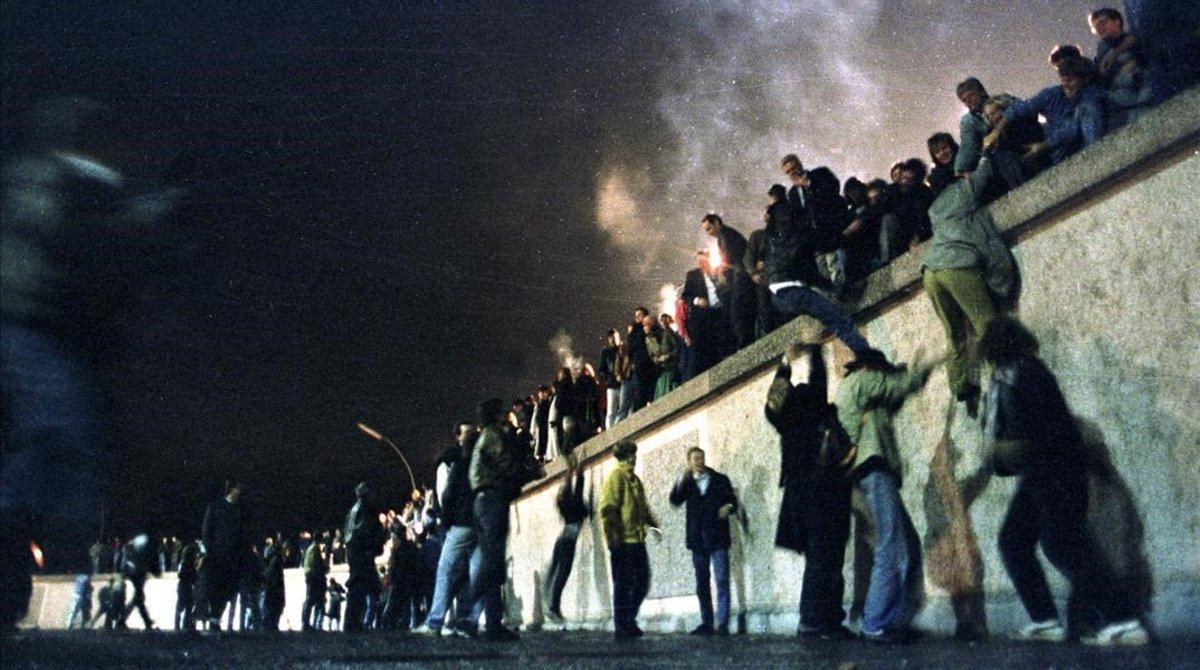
<point x="1071" y="123"/>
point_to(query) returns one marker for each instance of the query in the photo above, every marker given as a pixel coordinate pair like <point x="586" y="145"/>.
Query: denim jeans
<point x="453" y="570"/>
<point x="81" y="604"/>
<point x="491" y="526"/>
<point x="613" y="396"/>
<point x="795" y="300"/>
<point x="719" y="558"/>
<point x="625" y="407"/>
<point x="889" y="602"/>
<point x="631" y="582"/>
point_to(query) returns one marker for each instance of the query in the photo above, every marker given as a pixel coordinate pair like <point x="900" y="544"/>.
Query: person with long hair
<point x="1033" y="436"/>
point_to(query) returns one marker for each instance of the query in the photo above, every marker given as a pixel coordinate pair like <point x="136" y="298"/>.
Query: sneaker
<point x="1043" y="631"/>
<point x="888" y="636"/>
<point x="703" y="629"/>
<point x="424" y="629"/>
<point x="555" y="617"/>
<point x="1127" y="633"/>
<point x="723" y="631"/>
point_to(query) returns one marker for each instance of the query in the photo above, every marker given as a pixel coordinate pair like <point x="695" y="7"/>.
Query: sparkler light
<point x="714" y="255"/>
<point x="39" y="558"/>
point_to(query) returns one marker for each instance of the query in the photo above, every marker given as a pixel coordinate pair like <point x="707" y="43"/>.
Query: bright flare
<point x="666" y="296"/>
<point x="714" y="255"/>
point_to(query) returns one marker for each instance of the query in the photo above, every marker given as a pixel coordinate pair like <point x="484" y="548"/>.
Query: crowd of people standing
<point x="819" y="237"/>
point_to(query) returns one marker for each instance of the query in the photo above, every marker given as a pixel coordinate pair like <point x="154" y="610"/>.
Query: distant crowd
<point x="439" y="565"/>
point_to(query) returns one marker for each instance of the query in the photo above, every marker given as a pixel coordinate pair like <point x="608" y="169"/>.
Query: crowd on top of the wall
<point x="818" y="238"/>
<point x="821" y="236"/>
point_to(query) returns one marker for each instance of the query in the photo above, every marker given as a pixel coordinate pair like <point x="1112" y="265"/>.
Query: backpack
<point x="835" y="450"/>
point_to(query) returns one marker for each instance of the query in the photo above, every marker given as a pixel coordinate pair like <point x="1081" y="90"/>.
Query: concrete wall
<point x="1108" y="243"/>
<point x="53" y="596"/>
<point x="1108" y="246"/>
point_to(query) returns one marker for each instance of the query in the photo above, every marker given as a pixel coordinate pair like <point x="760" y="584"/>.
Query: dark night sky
<point x="400" y="204"/>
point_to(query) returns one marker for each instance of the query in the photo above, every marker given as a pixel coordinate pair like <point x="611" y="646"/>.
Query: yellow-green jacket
<point x="624" y="513"/>
<point x="866" y="400"/>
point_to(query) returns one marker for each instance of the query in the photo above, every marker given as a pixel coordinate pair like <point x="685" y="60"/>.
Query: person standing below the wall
<point x="1033" y="436"/>
<point x="81" y="605"/>
<point x="185" y="589"/>
<point x="364" y="541"/>
<point x="626" y="519"/>
<point x="814" y="514"/>
<point x="710" y="501"/>
<point x="498" y="471"/>
<point x="141" y="561"/>
<point x="314" y="582"/>
<point x="872" y="391"/>
<point x="274" y="593"/>
<point x="226" y="542"/>
<point x="451" y="579"/>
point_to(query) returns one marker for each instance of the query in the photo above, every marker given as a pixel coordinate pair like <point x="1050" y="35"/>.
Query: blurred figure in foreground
<point x="69" y="221"/>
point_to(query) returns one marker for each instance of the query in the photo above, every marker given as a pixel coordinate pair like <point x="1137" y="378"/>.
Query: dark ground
<point x="559" y="650"/>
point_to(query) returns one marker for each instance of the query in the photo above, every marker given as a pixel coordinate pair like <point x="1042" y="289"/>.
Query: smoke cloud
<point x="563" y="347"/>
<point x="749" y="82"/>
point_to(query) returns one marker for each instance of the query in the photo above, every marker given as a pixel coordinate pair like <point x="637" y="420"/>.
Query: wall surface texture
<point x="1109" y="249"/>
<point x="1108" y="244"/>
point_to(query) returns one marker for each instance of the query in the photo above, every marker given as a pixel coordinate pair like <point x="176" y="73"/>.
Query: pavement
<point x="578" y="649"/>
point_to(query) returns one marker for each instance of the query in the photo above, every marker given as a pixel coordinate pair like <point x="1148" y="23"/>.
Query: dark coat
<point x="273" y="575"/>
<point x="456" y="508"/>
<point x="705" y="530"/>
<point x="225" y="534"/>
<point x="794" y="411"/>
<point x="732" y="245"/>
<point x="639" y="356"/>
<point x="364" y="535"/>
<point x="606" y="373"/>
<point x="790" y="249"/>
<point x="1025" y="403"/>
<point x="695" y="287"/>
